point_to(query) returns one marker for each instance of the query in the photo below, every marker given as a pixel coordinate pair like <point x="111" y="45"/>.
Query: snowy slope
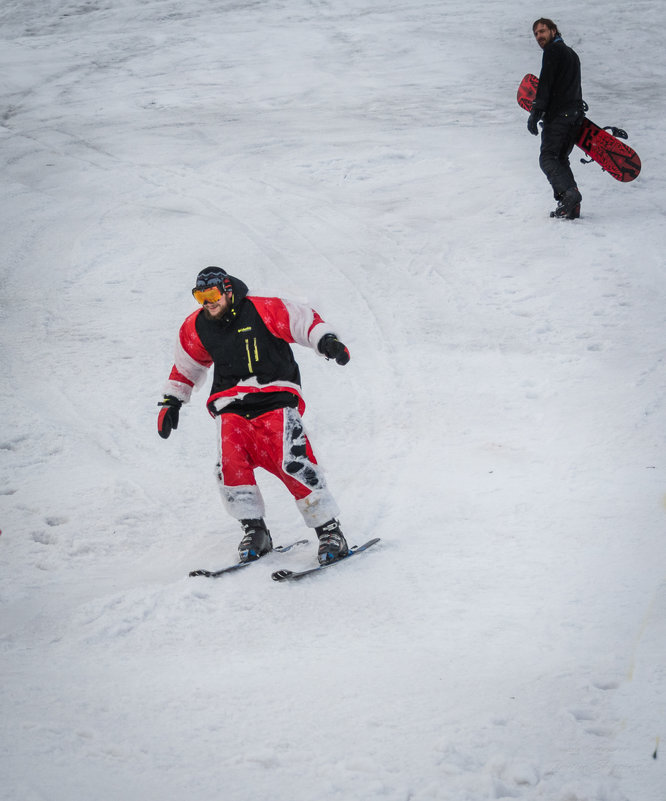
<point x="500" y="426"/>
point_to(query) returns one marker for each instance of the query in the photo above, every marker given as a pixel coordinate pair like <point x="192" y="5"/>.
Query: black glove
<point x="535" y="116"/>
<point x="332" y="348"/>
<point x="168" y="417"/>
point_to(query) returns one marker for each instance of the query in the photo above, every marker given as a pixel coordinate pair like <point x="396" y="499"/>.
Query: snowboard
<point x="602" y="145"/>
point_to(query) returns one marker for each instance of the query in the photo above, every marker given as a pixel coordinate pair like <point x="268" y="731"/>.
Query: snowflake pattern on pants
<point x="277" y="442"/>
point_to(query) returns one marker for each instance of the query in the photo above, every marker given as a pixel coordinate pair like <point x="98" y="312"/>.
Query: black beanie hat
<point x="213" y="276"/>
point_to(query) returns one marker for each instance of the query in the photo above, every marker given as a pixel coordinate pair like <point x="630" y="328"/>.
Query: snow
<point x="500" y="426"/>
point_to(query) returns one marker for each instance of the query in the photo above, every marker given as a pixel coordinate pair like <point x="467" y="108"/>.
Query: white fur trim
<point x="250" y="386"/>
<point x="179" y="390"/>
<point x="319" y="331"/>
<point x="243" y="503"/>
<point x="301" y="318"/>
<point x="189" y="367"/>
<point x="318" y="508"/>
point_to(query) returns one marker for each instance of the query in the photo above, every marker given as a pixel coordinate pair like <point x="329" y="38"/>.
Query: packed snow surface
<point x="501" y="425"/>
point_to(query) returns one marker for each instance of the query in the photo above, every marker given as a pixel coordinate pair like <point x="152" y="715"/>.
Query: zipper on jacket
<point x="250" y="352"/>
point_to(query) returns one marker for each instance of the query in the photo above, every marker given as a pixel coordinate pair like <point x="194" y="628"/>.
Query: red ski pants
<point x="275" y="441"/>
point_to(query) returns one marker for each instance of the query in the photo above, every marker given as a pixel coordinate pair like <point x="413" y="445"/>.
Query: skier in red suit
<point x="256" y="400"/>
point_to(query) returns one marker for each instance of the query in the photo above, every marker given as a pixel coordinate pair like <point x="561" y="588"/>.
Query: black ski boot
<point x="568" y="206"/>
<point x="332" y="543"/>
<point x="257" y="540"/>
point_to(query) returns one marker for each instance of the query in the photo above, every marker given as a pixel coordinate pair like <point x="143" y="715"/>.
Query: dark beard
<point x="214" y="318"/>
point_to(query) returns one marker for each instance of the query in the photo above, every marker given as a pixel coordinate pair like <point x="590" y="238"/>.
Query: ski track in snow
<point x="500" y="425"/>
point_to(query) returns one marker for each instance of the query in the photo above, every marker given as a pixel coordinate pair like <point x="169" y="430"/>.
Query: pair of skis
<point x="287" y="575"/>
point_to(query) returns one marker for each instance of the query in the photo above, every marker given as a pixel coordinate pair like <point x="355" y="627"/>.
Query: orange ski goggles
<point x="209" y="295"/>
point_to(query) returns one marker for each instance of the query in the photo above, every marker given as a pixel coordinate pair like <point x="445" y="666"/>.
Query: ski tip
<point x="199" y="573"/>
<point x="364" y="546"/>
<point x="281" y="575"/>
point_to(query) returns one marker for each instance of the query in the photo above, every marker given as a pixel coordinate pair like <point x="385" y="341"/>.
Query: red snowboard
<point x="616" y="158"/>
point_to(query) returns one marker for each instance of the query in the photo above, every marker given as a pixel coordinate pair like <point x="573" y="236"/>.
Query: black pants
<point x="557" y="140"/>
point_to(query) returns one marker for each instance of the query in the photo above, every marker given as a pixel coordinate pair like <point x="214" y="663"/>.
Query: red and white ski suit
<point x="256" y="399"/>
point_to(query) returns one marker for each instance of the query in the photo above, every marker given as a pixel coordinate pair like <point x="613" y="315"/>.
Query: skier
<point x="257" y="403"/>
<point x="559" y="106"/>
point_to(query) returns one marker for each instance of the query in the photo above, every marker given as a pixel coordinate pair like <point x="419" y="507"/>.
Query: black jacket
<point x="242" y="348"/>
<point x="559" y="90"/>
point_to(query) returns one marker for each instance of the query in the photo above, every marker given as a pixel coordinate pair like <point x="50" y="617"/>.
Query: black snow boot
<point x="332" y="543"/>
<point x="257" y="540"/>
<point x="568" y="207"/>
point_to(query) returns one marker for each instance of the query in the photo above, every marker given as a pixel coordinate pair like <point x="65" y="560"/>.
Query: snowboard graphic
<point x="615" y="158"/>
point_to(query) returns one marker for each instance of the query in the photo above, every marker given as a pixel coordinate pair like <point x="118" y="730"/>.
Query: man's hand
<point x="332" y="348"/>
<point x="168" y="417"/>
<point x="532" y="120"/>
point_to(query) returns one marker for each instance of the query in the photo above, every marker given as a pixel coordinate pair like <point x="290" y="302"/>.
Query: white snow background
<point x="501" y="425"/>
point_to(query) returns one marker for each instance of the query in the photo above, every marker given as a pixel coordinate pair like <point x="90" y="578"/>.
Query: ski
<point x="239" y="565"/>
<point x="290" y="575"/>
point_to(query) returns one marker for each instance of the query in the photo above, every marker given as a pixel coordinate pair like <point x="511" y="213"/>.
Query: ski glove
<point x="535" y="116"/>
<point x="168" y="417"/>
<point x="332" y="348"/>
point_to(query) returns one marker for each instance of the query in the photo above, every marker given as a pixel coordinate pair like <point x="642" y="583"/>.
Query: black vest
<point x="242" y="347"/>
